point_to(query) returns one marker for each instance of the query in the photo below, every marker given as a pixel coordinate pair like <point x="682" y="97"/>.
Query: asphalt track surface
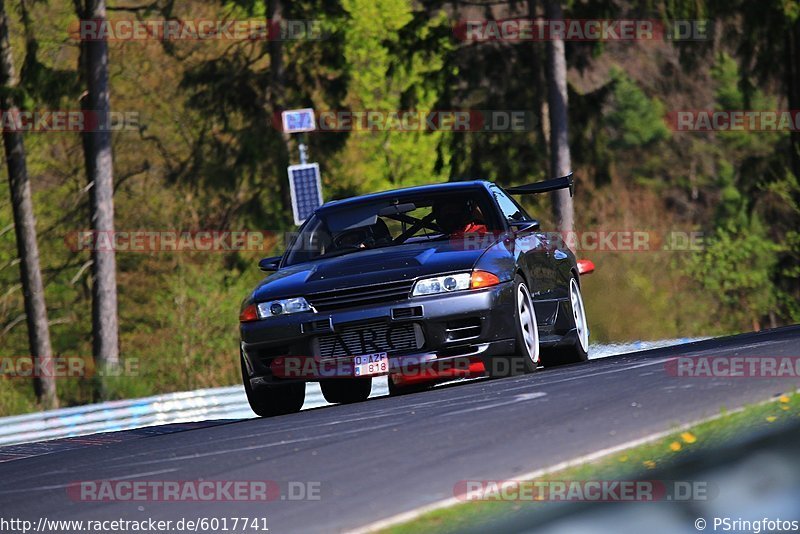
<point x="385" y="456"/>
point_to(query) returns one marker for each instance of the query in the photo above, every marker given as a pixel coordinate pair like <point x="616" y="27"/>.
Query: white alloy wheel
<point x="579" y="314"/>
<point x="527" y="323"/>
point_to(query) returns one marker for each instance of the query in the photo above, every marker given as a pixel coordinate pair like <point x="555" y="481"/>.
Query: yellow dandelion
<point x="675" y="446"/>
<point x="784" y="408"/>
<point x="771" y="418"/>
<point x="784" y="399"/>
<point x="688" y="437"/>
<point x="650" y="464"/>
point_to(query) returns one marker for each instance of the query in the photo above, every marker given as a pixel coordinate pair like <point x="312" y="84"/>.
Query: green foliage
<point x="635" y="121"/>
<point x="380" y="81"/>
<point x="744" y="264"/>
<point x="725" y="73"/>
<point x="736" y="266"/>
<point x="730" y="95"/>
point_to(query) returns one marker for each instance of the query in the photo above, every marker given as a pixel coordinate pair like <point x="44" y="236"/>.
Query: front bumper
<point x="457" y="330"/>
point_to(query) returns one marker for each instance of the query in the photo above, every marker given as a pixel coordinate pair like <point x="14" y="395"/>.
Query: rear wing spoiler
<point x="543" y="187"/>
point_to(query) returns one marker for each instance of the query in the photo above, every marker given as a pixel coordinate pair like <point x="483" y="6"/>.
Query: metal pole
<point x="303" y="154"/>
<point x="303" y="149"/>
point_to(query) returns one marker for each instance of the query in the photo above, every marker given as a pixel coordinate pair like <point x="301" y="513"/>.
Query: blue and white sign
<point x="298" y="120"/>
<point x="305" y="186"/>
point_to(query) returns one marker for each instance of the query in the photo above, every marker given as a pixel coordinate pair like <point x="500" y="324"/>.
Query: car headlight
<point x="454" y="282"/>
<point x="441" y="284"/>
<point x="282" y="307"/>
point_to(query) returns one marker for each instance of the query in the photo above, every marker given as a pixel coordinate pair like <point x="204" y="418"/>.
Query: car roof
<point x="424" y="189"/>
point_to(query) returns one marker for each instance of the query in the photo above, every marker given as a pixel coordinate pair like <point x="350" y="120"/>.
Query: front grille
<point x="368" y="338"/>
<point x="359" y="296"/>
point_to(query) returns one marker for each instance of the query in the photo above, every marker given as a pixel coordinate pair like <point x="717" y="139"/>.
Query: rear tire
<point x="346" y="390"/>
<point x="579" y="351"/>
<point x="526" y="356"/>
<point x="272" y="400"/>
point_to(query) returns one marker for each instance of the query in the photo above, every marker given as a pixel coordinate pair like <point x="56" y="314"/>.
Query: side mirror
<point x="269" y="265"/>
<point x="522" y="226"/>
<point x="585" y="266"/>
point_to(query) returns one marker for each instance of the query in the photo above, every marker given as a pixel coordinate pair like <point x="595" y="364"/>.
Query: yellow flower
<point x="784" y="408"/>
<point x="650" y="464"/>
<point x="688" y="437"/>
<point x="784" y="399"/>
<point x="771" y="418"/>
<point x="675" y="446"/>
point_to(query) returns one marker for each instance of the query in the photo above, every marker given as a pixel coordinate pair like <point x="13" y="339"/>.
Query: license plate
<point x="371" y="364"/>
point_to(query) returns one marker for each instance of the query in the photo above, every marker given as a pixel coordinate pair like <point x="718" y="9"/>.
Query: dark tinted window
<point x="511" y="210"/>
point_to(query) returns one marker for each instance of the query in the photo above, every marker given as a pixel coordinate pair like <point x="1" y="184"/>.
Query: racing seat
<point x="365" y="236"/>
<point x="380" y="232"/>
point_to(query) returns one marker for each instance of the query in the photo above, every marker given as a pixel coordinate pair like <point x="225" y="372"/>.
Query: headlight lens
<point x="282" y="307"/>
<point x="441" y="284"/>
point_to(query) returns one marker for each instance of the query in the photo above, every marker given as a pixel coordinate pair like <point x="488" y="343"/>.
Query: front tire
<point x="272" y="400"/>
<point x="579" y="351"/>
<point x="526" y="357"/>
<point x="346" y="390"/>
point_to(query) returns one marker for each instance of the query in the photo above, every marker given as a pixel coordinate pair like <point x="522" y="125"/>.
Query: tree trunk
<point x="99" y="170"/>
<point x="277" y="96"/>
<point x="560" y="163"/>
<point x="793" y="89"/>
<point x="25" y="227"/>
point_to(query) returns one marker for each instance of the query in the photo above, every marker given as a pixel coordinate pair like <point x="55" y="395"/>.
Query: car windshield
<point x="392" y="222"/>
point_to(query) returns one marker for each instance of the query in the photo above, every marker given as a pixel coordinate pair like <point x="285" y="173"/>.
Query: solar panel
<point x="306" y="190"/>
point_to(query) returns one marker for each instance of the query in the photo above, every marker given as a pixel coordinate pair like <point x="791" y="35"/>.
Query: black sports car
<point x="422" y="284"/>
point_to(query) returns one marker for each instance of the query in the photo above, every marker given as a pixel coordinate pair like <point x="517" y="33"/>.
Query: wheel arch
<point x="574" y="271"/>
<point x="519" y="271"/>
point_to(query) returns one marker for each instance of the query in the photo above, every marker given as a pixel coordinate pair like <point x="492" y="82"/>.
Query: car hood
<point x="404" y="262"/>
